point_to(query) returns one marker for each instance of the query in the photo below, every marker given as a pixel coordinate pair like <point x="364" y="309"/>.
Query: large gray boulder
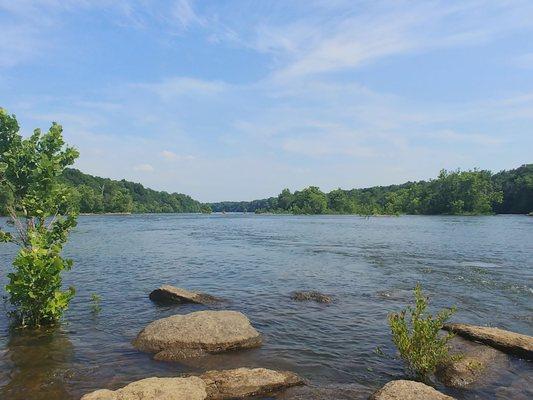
<point x="213" y="385"/>
<point x="196" y="334"/>
<point x="510" y="342"/>
<point x="171" y="294"/>
<point x="192" y="388"/>
<point x="408" y="390"/>
<point x="245" y="382"/>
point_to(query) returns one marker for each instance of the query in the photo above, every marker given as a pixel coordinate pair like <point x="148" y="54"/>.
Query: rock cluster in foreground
<point x="212" y="385"/>
<point x="408" y="390"/>
<point x="196" y="334"/>
<point x="510" y="342"/>
<point x="171" y="294"/>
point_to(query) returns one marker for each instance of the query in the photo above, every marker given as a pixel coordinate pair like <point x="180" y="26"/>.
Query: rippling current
<point x="483" y="265"/>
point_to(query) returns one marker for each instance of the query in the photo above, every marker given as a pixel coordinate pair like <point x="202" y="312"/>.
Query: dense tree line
<point x="103" y="195"/>
<point x="455" y="192"/>
<point x="92" y="194"/>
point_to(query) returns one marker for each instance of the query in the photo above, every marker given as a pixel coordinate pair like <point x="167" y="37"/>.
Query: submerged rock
<point x="476" y="363"/>
<point x="212" y="385"/>
<point x="311" y="296"/>
<point x="244" y="382"/>
<point x="395" y="294"/>
<point x="197" y="334"/>
<point x="408" y="390"/>
<point x="171" y="294"/>
<point x="510" y="342"/>
<point x="191" y="388"/>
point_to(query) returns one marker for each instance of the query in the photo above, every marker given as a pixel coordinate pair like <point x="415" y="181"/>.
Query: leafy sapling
<point x="41" y="214"/>
<point x="418" y="337"/>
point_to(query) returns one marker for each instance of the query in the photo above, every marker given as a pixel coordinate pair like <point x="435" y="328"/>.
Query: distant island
<point x="472" y="192"/>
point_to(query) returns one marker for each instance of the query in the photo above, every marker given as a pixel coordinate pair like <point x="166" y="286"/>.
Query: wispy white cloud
<point x="183" y="11"/>
<point x="169" y="155"/>
<point x="144" y="168"/>
<point x="524" y="61"/>
<point x="351" y="40"/>
<point x="458" y="137"/>
<point x="182" y="86"/>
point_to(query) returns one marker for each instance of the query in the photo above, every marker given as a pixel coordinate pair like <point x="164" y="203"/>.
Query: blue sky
<point x="236" y="100"/>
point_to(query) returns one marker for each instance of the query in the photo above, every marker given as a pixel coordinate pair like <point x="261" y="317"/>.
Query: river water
<point x="483" y="265"/>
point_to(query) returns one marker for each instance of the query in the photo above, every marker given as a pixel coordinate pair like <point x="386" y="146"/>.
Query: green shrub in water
<point x="417" y="336"/>
<point x="96" y="299"/>
<point x="41" y="214"/>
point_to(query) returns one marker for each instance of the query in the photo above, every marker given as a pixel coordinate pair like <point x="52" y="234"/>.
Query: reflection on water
<point x="481" y="264"/>
<point x="35" y="365"/>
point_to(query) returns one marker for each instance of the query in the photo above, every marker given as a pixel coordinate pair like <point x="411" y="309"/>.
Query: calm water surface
<point x="484" y="265"/>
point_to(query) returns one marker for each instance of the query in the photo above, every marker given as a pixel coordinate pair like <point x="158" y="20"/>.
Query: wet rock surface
<point x="476" y="364"/>
<point x="196" y="334"/>
<point x="191" y="388"/>
<point x="246" y="382"/>
<point x="408" y="390"/>
<point x="213" y="385"/>
<point x="507" y="341"/>
<point x="169" y="294"/>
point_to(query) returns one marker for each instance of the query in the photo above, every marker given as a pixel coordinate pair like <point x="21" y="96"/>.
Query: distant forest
<point x="102" y="195"/>
<point x="456" y="192"/>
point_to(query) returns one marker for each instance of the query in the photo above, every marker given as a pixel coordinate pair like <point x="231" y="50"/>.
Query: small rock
<point x="171" y="294"/>
<point x="408" y="390"/>
<point x="509" y="342"/>
<point x="197" y="334"/>
<point x="395" y="294"/>
<point x="311" y="296"/>
<point x="244" y="382"/>
<point x="191" y="388"/>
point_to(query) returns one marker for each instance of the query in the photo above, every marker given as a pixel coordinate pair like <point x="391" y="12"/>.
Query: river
<point x="483" y="265"/>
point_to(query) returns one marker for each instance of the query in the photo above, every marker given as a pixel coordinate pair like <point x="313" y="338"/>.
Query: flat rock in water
<point x="245" y="382"/>
<point x="212" y="385"/>
<point x="197" y="334"/>
<point x="311" y="296"/>
<point x="171" y="294"/>
<point x="191" y="388"/>
<point x="477" y="363"/>
<point x="408" y="390"/>
<point x="509" y="342"/>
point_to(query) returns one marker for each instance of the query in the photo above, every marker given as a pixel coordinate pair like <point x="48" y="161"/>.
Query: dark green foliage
<point x="517" y="188"/>
<point x="417" y="336"/>
<point x="41" y="215"/>
<point x="454" y="193"/>
<point x="102" y="195"/>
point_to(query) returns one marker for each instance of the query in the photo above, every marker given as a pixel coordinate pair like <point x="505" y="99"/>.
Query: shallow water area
<point x="483" y="265"/>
